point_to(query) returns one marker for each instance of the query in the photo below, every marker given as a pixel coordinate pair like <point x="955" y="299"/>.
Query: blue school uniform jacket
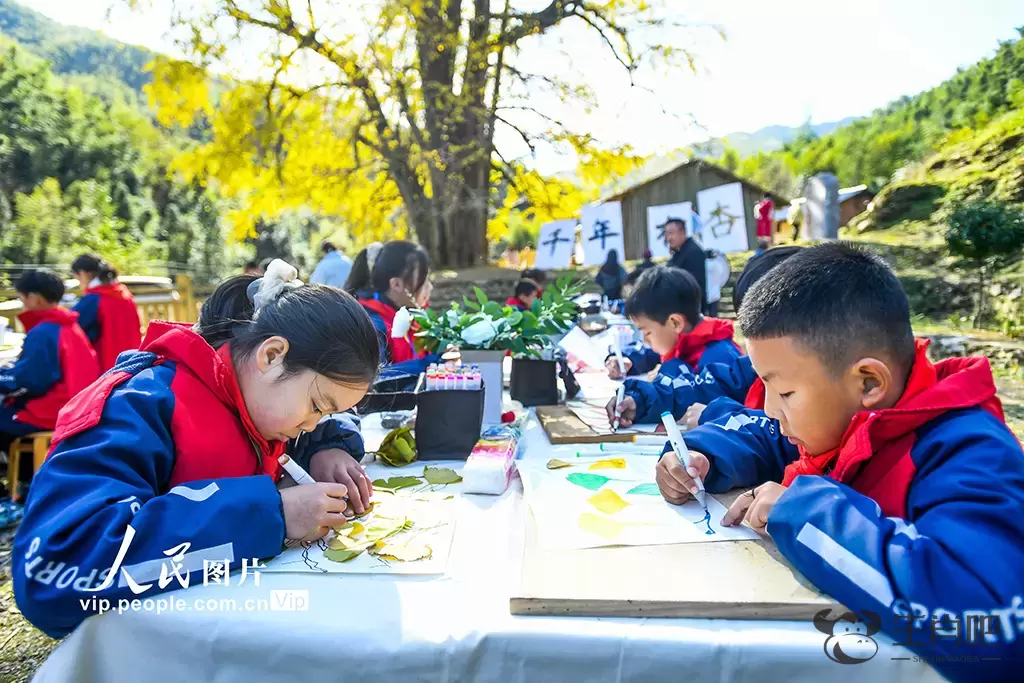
<point x="676" y="388"/>
<point x="162" y="443"/>
<point x="710" y="341"/>
<point x="917" y="512"/>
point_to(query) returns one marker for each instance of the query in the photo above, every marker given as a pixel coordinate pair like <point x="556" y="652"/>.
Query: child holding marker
<point x="889" y="481"/>
<point x="716" y="390"/>
<point x="665" y="307"/>
<point x="181" y="442"/>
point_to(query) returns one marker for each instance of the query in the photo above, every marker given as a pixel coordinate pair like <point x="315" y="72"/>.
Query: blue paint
<point x="707" y="520"/>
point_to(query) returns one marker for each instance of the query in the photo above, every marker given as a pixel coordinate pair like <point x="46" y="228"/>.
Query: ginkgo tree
<point x="385" y="112"/>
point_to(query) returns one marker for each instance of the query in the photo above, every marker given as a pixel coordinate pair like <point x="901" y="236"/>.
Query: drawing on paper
<point x="723" y="218"/>
<point x="409" y="529"/>
<point x="575" y="507"/>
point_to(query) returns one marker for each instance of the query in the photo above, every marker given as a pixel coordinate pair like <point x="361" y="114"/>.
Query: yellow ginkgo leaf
<point x="556" y="464"/>
<point x="402" y="552"/>
<point x="352" y="529"/>
<point x="609" y="464"/>
<point x="605" y="527"/>
<point x="607" y="501"/>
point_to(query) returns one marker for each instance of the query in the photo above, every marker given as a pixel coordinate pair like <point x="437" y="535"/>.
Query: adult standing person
<point x="611" y="277"/>
<point x="687" y="255"/>
<point x="765" y="212"/>
<point x="106" y="311"/>
<point x="333" y="269"/>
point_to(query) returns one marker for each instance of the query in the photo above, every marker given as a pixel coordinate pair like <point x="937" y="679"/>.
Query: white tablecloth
<point x="452" y="628"/>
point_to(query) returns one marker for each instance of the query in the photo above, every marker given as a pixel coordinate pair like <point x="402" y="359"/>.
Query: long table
<point x="451" y="628"/>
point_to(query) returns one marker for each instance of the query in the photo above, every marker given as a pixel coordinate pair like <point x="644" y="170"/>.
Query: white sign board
<point x="723" y="218"/>
<point x="657" y="216"/>
<point x="555" y="244"/>
<point x="601" y="232"/>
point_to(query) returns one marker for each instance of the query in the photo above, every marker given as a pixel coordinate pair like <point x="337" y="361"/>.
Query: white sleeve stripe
<point x="149" y="571"/>
<point x="195" y="495"/>
<point x="846" y="563"/>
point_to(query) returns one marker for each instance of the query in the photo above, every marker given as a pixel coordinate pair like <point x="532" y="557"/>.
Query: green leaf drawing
<point x="587" y="480"/>
<point x="649" y="489"/>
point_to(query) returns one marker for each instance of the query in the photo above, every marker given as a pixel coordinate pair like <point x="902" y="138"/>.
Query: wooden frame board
<point x="563" y="426"/>
<point x="727" y="580"/>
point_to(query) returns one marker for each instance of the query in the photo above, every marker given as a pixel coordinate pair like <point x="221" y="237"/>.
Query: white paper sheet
<point x="555" y="245"/>
<point x="596" y="417"/>
<point x="601" y="232"/>
<point x="582" y="346"/>
<point x="565" y="504"/>
<point x="433" y="514"/>
<point x="723" y="218"/>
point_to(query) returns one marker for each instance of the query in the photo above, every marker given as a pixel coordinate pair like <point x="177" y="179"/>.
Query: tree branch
<point x="526" y="138"/>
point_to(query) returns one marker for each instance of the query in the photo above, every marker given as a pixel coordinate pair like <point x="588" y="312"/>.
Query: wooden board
<point x="728" y="580"/>
<point x="564" y="426"/>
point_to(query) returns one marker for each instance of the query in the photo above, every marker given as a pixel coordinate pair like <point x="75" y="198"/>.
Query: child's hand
<point x="754" y="506"/>
<point x="675" y="483"/>
<point x="310" y="509"/>
<point x="627" y="411"/>
<point x="335" y="465"/>
<point x="612" y="365"/>
<point x="691" y="418"/>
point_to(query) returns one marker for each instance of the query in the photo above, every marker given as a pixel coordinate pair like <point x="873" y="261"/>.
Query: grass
<point x="23" y="649"/>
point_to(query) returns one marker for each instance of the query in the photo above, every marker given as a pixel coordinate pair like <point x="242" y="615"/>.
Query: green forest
<point x="84" y="165"/>
<point x="871" y="150"/>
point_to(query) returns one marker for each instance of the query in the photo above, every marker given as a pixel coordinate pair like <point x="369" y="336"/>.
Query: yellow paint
<point x="609" y="464"/>
<point x="605" y="527"/>
<point x="608" y="502"/>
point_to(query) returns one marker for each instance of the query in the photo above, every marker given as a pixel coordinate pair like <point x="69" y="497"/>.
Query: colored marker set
<point x="441" y="377"/>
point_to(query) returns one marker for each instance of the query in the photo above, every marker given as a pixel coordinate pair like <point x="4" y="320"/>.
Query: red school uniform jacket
<point x="108" y="316"/>
<point x="56" y="362"/>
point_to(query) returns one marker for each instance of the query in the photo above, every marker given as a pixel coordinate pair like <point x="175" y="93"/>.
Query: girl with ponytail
<point x="106" y="311"/>
<point x="388" y="279"/>
<point x="178" y="446"/>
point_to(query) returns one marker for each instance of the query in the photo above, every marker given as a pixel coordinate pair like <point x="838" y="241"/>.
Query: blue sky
<point x="784" y="61"/>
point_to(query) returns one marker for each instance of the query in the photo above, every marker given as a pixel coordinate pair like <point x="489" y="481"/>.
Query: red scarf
<point x="932" y="389"/>
<point x="691" y="345"/>
<point x="755" y="395"/>
<point x="515" y="302"/>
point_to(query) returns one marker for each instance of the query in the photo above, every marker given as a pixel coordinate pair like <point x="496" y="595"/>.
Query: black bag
<point x="448" y="423"/>
<point x="534" y="382"/>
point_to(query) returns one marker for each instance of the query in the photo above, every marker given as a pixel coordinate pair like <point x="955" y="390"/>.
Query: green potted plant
<point x="485" y="331"/>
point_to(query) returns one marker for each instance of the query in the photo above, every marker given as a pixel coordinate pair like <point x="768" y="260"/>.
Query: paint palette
<point x="614" y="501"/>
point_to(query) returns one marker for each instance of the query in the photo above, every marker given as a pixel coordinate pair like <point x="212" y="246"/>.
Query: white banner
<point x="555" y="245"/>
<point x="602" y="232"/>
<point x="723" y="218"/>
<point x="657" y="216"/>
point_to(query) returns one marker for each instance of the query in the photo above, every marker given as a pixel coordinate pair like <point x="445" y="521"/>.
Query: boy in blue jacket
<point x="665" y="307"/>
<point x="877" y="472"/>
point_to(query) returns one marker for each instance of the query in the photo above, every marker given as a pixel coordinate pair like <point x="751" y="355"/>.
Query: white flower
<point x="480" y="332"/>
<point x="453" y="317"/>
<point x="401" y="324"/>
